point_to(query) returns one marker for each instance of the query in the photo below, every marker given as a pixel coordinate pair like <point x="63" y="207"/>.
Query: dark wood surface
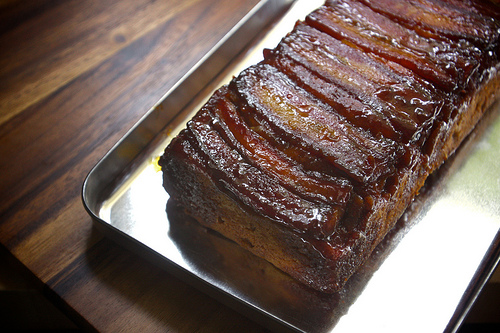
<point x="74" y="77"/>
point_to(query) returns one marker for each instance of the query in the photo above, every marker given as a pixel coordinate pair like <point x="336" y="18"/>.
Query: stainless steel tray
<point x="423" y="277"/>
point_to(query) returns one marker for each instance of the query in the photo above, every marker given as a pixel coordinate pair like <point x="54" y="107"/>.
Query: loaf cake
<point x="308" y="158"/>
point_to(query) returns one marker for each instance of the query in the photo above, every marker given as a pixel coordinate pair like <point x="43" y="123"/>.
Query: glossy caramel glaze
<point x="334" y="132"/>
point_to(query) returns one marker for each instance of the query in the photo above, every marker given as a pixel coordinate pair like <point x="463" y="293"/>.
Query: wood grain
<point x="74" y="77"/>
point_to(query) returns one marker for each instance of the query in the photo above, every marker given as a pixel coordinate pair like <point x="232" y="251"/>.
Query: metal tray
<point x="423" y="277"/>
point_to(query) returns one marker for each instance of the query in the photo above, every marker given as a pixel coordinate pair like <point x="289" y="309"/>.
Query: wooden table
<point x="74" y="77"/>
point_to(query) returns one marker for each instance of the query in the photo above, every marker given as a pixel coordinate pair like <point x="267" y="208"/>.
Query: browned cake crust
<point x="310" y="157"/>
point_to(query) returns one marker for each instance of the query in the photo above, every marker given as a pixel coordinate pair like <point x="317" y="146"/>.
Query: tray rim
<point x="256" y="21"/>
<point x="490" y="260"/>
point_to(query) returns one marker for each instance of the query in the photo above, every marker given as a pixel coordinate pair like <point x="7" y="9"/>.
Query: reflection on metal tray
<point x="423" y="277"/>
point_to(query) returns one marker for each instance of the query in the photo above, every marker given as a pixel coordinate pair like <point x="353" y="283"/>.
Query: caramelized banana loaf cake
<point x="308" y="158"/>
